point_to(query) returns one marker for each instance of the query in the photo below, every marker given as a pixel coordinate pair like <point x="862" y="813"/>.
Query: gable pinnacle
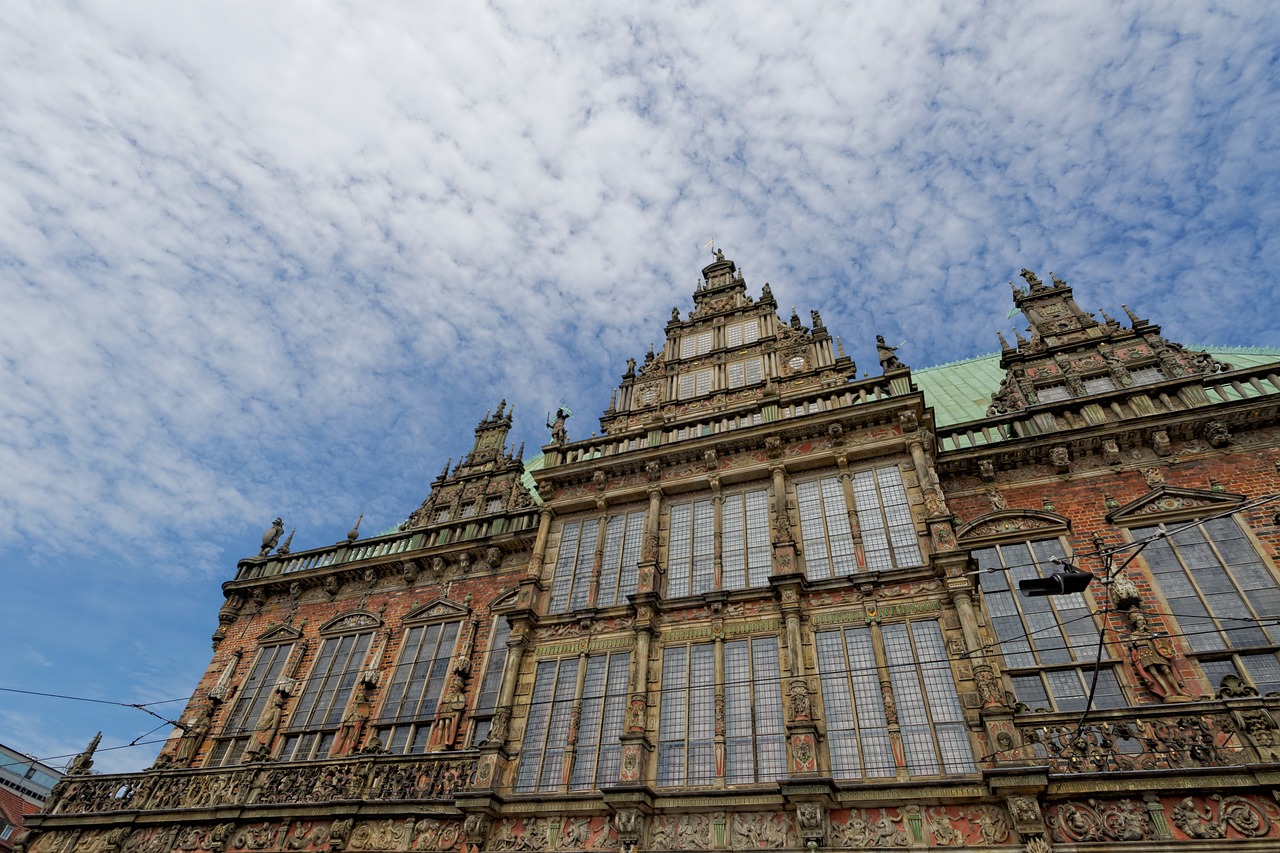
<point x="1133" y="318"/>
<point x="1004" y="345"/>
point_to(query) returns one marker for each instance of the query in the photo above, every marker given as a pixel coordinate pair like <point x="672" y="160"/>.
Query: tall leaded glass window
<point x="618" y="573"/>
<point x="595" y="754"/>
<point x="249" y="705"/>
<point x="755" y="742"/>
<point x="620" y="552"/>
<point x="755" y="747"/>
<point x="487" y="699"/>
<point x="888" y="534"/>
<point x="572" y="582"/>
<point x="315" y="722"/>
<point x="686" y="734"/>
<point x="690" y="549"/>
<point x="926" y="702"/>
<point x="1224" y="597"/>
<point x="1049" y="643"/>
<point x="416" y="685"/>
<point x="824" y="529"/>
<point x="746" y="555"/>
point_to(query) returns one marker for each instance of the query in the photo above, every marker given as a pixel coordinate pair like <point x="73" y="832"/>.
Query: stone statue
<point x="193" y="736"/>
<point x="1153" y="663"/>
<point x="271" y="537"/>
<point x="83" y="762"/>
<point x="559" y="434"/>
<point x="259" y="748"/>
<point x="718" y="253"/>
<point x="888" y="360"/>
<point x="354" y="722"/>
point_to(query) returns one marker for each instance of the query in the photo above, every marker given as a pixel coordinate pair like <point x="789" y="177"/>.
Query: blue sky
<point x="278" y="259"/>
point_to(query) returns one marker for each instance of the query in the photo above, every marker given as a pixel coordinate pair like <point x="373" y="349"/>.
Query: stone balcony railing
<point x="390" y="545"/>
<point x="364" y="778"/>
<point x="1197" y="735"/>
<point x="1167" y="397"/>
<point x="818" y="399"/>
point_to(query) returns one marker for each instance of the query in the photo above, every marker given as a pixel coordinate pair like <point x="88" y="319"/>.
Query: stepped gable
<point x="486" y="482"/>
<point x="728" y="355"/>
<point x="1071" y="354"/>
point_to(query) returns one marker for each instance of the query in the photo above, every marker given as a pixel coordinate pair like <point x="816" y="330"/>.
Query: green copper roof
<point x="961" y="391"/>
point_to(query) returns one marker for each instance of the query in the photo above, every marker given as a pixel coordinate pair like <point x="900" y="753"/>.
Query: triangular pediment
<point x="355" y="620"/>
<point x="1171" y="503"/>
<point x="439" y="608"/>
<point x="280" y="634"/>
<point x="1008" y="524"/>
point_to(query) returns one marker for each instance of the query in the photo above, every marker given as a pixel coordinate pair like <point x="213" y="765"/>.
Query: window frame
<point x="233" y="738"/>
<point x="419" y="720"/>
<point x="549" y="723"/>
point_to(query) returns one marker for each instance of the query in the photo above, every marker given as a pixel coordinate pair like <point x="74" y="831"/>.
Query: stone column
<point x="647" y="569"/>
<point x="717" y="547"/>
<point x="855" y="529"/>
<point x="890" y="701"/>
<point x="540" y="543"/>
<point x="784" y="543"/>
<point x="575" y="723"/>
<point x="636" y="746"/>
<point x="493" y="752"/>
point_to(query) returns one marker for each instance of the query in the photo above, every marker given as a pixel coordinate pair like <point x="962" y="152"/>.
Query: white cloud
<point x="278" y="258"/>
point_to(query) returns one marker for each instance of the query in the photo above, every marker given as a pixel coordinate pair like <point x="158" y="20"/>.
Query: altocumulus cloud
<point x="277" y="258"/>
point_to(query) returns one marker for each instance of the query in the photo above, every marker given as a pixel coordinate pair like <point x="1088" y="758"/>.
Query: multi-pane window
<point x="494" y="505"/>
<point x="884" y="518"/>
<point x="1049" y="643"/>
<point x="824" y="529"/>
<point x="575" y="560"/>
<point x="755" y="743"/>
<point x="577" y="549"/>
<point x="548" y="759"/>
<point x="1147" y="375"/>
<point x="925" y="701"/>
<point x="691" y="549"/>
<point x="695" y="383"/>
<point x="1225" y="599"/>
<point x="698" y="343"/>
<point x="745" y="373"/>
<point x="1099" y="384"/>
<point x="487" y="698"/>
<point x="1053" y="393"/>
<point x="315" y="722"/>
<point x="618" y="572"/>
<point x="419" y="678"/>
<point x="738" y="334"/>
<point x="888" y="534"/>
<point x="746" y="556"/>
<point x="250" y="704"/>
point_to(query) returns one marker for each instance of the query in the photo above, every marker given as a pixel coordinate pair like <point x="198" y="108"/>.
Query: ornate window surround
<point x="1205" y="635"/>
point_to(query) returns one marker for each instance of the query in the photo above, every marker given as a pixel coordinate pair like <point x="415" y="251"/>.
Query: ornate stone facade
<point x="772" y="606"/>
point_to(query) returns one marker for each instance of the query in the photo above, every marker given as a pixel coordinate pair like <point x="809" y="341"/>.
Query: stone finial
<point x="271" y="537"/>
<point x="840" y="353"/>
<point x="1022" y="342"/>
<point x="1004" y="345"/>
<point x="502" y="404"/>
<point x="795" y="318"/>
<point x="354" y="533"/>
<point x="1030" y="278"/>
<point x="283" y="550"/>
<point x="1107" y="317"/>
<point x="1133" y="318"/>
<point x="82" y="763"/>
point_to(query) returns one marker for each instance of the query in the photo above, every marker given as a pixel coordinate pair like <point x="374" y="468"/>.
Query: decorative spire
<point x="1022" y="342"/>
<point x="283" y="550"/>
<point x="1057" y="282"/>
<point x="447" y="465"/>
<point x="354" y="533"/>
<point x="840" y="348"/>
<point x="1133" y="318"/>
<point x="502" y="404"/>
<point x="1110" y="320"/>
<point x="1004" y="345"/>
<point x="82" y="763"/>
<point x="795" y="318"/>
